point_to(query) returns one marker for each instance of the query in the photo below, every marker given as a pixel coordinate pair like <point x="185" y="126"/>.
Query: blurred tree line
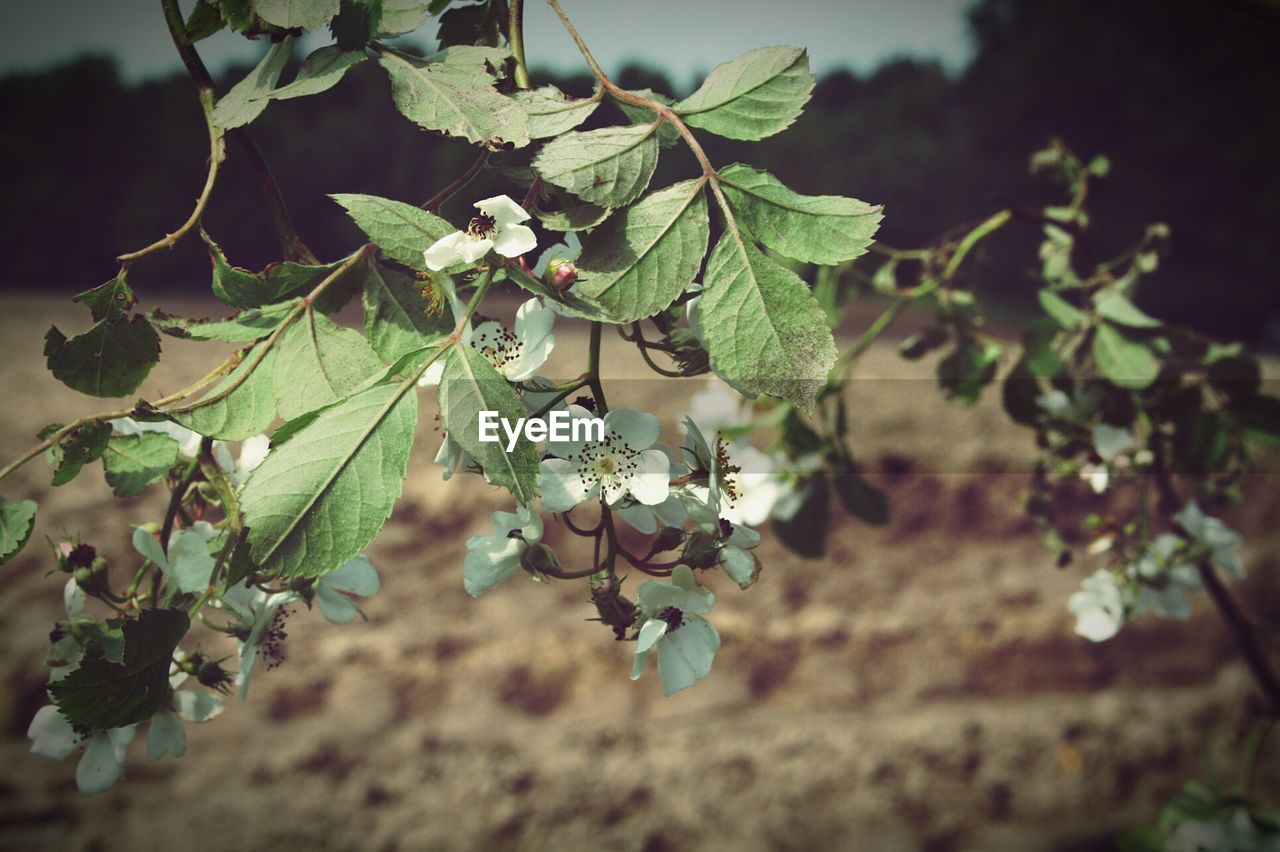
<point x="1180" y="96"/>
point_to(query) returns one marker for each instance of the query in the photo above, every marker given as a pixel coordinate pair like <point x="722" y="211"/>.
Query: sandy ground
<point x="920" y="688"/>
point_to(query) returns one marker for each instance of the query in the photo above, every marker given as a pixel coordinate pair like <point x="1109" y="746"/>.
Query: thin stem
<point x="593" y="369"/>
<point x="452" y="189"/>
<point x="290" y="243"/>
<point x="515" y="40"/>
<point x="217" y="153"/>
<point x="180" y="491"/>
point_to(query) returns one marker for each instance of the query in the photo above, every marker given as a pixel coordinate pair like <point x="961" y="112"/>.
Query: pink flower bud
<point x="560" y="273"/>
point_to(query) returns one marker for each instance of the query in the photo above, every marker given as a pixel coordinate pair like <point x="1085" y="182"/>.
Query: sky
<point x="685" y="37"/>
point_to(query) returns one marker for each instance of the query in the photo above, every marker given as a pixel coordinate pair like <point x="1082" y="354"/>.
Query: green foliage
<point x="471" y="385"/>
<point x="247" y="325"/>
<point x="320" y="72"/>
<point x="82" y="446"/>
<point x="101" y="695"/>
<point x="1127" y="363"/>
<point x="1062" y="312"/>
<point x="397" y="319"/>
<point x="579" y="217"/>
<point x="816" y="229"/>
<point x="240" y="406"/>
<point x="111" y="359"/>
<point x="1112" y="305"/>
<point x="246" y="100"/>
<point x="551" y="112"/>
<point x="756" y="95"/>
<point x="474" y="23"/>
<point x="643" y="257"/>
<point x="969" y="369"/>
<point x="320" y="497"/>
<point x="296" y="14"/>
<point x="132" y="463"/>
<point x="17" y="520"/>
<point x="108" y="301"/>
<point x="401" y="230"/>
<point x="319" y="363"/>
<point x="641" y="114"/>
<point x="454" y="95"/>
<point x="761" y="325"/>
<point x="803" y="529"/>
<point x="608" y="167"/>
<point x="861" y="498"/>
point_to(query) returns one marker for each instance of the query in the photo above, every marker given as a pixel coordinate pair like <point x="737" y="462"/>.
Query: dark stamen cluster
<point x="273" y="639"/>
<point x="673" y="617"/>
<point x="82" y="556"/>
<point x="500" y="347"/>
<point x="482" y="226"/>
<point x="726" y="470"/>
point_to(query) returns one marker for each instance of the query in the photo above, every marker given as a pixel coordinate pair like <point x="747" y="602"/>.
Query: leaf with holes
<point x="823" y="229"/>
<point x="761" y="325"/>
<point x="319" y="363"/>
<point x="453" y="99"/>
<point x="320" y="498"/>
<point x="643" y="257"/>
<point x="756" y="95"/>
<point x="246" y="326"/>
<point x="608" y="167"/>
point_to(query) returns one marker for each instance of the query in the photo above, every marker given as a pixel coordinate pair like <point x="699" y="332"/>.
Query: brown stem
<point x="434" y="202"/>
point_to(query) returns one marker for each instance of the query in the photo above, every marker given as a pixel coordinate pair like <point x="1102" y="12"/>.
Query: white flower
<point x="497" y="227"/>
<point x="1215" y="535"/>
<point x="356" y="576"/>
<point x="1098" y="607"/>
<point x="1097" y="476"/>
<point x="102" y="763"/>
<point x="1164" y="579"/>
<point x="188" y="563"/>
<point x="492" y="559"/>
<point x="188" y="441"/>
<point x="517" y="355"/>
<point x="252" y="453"/>
<point x="257" y="611"/>
<point x="620" y="465"/>
<point x="645" y="519"/>
<point x="685" y="643"/>
<point x="1111" y="441"/>
<point x="165" y="734"/>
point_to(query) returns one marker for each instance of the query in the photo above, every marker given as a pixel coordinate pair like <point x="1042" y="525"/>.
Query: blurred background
<point x="918" y="688"/>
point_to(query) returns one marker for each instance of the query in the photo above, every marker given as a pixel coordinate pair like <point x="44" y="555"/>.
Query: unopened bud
<point x="538" y="558"/>
<point x="700" y="550"/>
<point x="560" y="273"/>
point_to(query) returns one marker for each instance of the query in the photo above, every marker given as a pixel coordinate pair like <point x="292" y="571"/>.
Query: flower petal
<point x="651" y="483"/>
<point x="148" y="545"/>
<point x="653" y="630"/>
<point x="444" y="252"/>
<point x="503" y="210"/>
<point x="73" y="598"/>
<point x="51" y="734"/>
<point x="471" y="250"/>
<point x="197" y="706"/>
<point x="685" y="655"/>
<point x="741" y="566"/>
<point x="99" y="768"/>
<point x="639" y="429"/>
<point x="165" y="736"/>
<point x="253" y="452"/>
<point x="336" y="607"/>
<point x="640" y="517"/>
<point x="356" y="576"/>
<point x="562" y="486"/>
<point x="514" y="240"/>
<point x="490" y="560"/>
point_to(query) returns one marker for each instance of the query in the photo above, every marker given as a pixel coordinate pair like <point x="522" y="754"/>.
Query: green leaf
<point x="248" y="325"/>
<point x="400" y="17"/>
<point x="1061" y="311"/>
<point x="451" y="98"/>
<point x="82" y="446"/>
<point x="235" y="409"/>
<point x="609" y="167"/>
<point x="1112" y="305"/>
<point x="111" y="359"/>
<point x="643" y="257"/>
<point x="803" y="529"/>
<point x="968" y="370"/>
<point x="397" y="320"/>
<point x="1019" y="393"/>
<point x="470" y="385"/>
<point x="295" y="14"/>
<point x="320" y="498"/>
<point x="132" y="463"/>
<point x="761" y="325"/>
<point x="17" y="520"/>
<point x="1126" y="363"/>
<point x="551" y="112"/>
<point x="246" y="100"/>
<point x="1259" y="416"/>
<point x="639" y="114"/>
<point x="110" y="300"/>
<point x="319" y="363"/>
<point x="238" y="287"/>
<point x="320" y="72"/>
<point x="1202" y="442"/>
<point x="756" y="95"/>
<point x="101" y="695"/>
<point x="576" y="218"/>
<point x="402" y="231"/>
<point x="475" y="23"/>
<point x="862" y="498"/>
<point x="356" y="23"/>
<point x="823" y="229"/>
<point x="204" y="21"/>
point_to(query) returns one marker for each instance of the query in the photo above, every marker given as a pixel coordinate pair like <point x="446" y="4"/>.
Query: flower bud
<point x="538" y="558"/>
<point x="700" y="550"/>
<point x="560" y="273"/>
<point x="668" y="538"/>
<point x="214" y="676"/>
